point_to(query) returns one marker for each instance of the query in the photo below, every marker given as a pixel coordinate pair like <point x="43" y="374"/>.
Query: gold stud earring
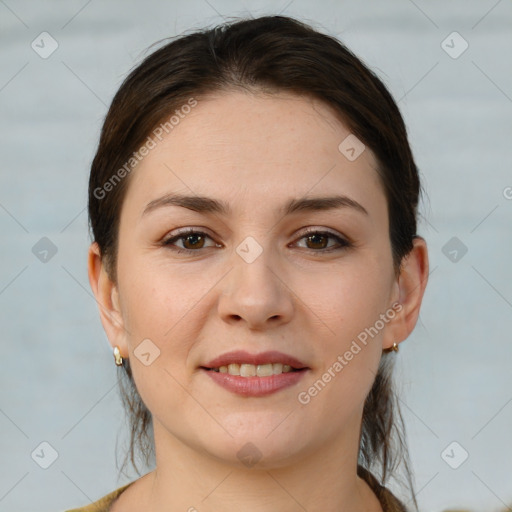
<point x="117" y="356"/>
<point x="391" y="349"/>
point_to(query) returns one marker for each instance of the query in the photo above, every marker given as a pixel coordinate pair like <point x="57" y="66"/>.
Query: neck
<point x="322" y="479"/>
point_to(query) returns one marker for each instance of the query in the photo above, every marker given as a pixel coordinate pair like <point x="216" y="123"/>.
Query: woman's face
<point x="253" y="280"/>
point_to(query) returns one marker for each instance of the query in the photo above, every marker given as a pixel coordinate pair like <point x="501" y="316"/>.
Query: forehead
<point x="253" y="148"/>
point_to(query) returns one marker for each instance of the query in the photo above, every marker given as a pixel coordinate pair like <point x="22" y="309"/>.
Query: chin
<point x="257" y="447"/>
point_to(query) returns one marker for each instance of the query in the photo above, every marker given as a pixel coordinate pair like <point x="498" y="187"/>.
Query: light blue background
<point x="57" y="376"/>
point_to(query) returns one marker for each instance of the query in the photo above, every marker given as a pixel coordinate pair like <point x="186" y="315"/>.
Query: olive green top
<point x="387" y="500"/>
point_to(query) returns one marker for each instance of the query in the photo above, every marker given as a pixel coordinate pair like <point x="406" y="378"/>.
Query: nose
<point x="256" y="292"/>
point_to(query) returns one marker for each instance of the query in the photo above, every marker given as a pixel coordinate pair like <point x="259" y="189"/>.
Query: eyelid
<point x="320" y="229"/>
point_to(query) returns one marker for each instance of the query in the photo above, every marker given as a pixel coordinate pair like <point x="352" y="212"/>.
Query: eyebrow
<point x="204" y="204"/>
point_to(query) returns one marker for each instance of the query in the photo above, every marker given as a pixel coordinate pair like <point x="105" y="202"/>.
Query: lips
<point x="242" y="357"/>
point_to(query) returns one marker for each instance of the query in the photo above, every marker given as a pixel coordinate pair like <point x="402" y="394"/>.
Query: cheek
<point x="349" y="357"/>
<point x="155" y="298"/>
<point x="349" y="302"/>
<point x="162" y="319"/>
<point x="348" y="299"/>
<point x="167" y="307"/>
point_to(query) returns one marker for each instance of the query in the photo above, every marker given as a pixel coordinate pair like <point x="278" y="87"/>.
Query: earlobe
<point x="107" y="297"/>
<point x="411" y="284"/>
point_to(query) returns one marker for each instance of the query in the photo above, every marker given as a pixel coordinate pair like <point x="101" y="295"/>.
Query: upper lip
<point x="243" y="357"/>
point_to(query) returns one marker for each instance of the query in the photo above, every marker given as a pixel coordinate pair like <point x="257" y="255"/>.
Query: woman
<point x="253" y="206"/>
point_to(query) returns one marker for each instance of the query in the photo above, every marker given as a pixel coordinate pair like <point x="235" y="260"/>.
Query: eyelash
<point x="344" y="244"/>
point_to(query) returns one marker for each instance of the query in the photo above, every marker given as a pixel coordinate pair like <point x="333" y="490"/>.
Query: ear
<point x="107" y="297"/>
<point x="408" y="291"/>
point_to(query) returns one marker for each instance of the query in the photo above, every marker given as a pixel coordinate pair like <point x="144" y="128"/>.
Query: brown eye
<point x="192" y="240"/>
<point x="196" y="241"/>
<point x="317" y="241"/>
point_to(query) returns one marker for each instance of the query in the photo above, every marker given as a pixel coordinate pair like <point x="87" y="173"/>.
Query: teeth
<point x="251" y="370"/>
<point x="233" y="369"/>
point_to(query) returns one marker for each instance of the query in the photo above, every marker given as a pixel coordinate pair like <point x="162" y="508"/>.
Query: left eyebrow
<point x="205" y="204"/>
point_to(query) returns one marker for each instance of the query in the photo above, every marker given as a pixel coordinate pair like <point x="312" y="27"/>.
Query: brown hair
<point x="271" y="54"/>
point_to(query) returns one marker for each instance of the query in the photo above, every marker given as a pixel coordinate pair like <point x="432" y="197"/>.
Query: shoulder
<point x="103" y="504"/>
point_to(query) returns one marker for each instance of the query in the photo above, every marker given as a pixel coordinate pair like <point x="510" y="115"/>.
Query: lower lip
<point x="255" y="386"/>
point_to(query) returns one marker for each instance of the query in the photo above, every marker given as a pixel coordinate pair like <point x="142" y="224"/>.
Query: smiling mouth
<point x="251" y="370"/>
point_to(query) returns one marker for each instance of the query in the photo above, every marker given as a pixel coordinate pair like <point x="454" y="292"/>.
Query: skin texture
<point x="255" y="152"/>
